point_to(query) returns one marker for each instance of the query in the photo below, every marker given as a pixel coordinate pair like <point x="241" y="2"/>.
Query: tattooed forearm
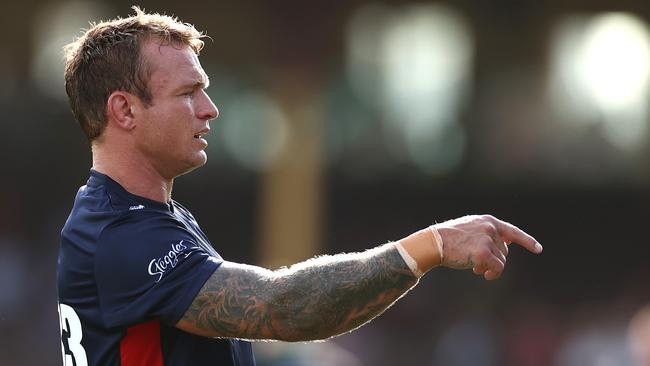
<point x="316" y="299"/>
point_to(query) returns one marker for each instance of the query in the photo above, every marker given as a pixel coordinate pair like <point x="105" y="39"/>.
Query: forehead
<point x="172" y="66"/>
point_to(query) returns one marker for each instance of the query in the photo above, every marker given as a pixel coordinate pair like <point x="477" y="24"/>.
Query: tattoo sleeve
<point x="316" y="299"/>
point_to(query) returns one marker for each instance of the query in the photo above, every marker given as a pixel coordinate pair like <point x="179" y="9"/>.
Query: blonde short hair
<point x="107" y="58"/>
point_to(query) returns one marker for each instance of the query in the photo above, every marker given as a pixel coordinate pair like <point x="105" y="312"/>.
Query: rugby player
<point x="139" y="283"/>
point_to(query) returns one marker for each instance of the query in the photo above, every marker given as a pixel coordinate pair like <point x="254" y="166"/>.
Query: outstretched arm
<point x="331" y="295"/>
<point x="316" y="299"/>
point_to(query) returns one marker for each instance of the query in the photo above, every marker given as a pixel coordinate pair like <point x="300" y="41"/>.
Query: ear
<point x="120" y="109"/>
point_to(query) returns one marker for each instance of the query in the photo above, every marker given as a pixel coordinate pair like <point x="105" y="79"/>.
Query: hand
<point x="481" y="243"/>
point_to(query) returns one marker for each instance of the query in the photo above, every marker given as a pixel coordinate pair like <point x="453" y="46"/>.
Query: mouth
<point x="199" y="137"/>
<point x="202" y="133"/>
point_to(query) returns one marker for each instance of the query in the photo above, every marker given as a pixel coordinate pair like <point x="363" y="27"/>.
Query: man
<point x="140" y="284"/>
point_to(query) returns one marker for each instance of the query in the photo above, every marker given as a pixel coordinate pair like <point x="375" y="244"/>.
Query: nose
<point x="207" y="110"/>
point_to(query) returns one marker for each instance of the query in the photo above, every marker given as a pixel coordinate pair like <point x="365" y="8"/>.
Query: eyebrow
<point x="204" y="81"/>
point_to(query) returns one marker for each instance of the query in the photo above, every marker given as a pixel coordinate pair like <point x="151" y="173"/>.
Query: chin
<point x="196" y="162"/>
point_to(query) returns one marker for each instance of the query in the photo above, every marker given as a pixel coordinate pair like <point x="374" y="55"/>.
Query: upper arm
<point x="145" y="266"/>
<point x="235" y="302"/>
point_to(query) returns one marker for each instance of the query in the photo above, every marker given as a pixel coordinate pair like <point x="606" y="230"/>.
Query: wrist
<point x="424" y="247"/>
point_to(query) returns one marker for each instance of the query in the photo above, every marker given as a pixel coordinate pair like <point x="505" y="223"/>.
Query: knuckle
<point x="492" y="275"/>
<point x="499" y="266"/>
<point x="488" y="217"/>
<point x="483" y="255"/>
<point x="489" y="228"/>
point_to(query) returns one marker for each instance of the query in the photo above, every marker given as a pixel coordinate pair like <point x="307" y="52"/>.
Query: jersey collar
<point x="122" y="197"/>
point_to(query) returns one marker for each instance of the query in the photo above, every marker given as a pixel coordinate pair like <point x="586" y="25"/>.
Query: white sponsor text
<point x="158" y="266"/>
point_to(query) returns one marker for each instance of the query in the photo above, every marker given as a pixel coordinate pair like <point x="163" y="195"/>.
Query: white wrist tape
<point x="439" y="243"/>
<point x="410" y="262"/>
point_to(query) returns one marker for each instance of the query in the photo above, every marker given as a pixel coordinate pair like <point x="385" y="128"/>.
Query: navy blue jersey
<point x="128" y="269"/>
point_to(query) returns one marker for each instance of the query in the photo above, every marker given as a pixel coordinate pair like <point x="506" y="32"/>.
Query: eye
<point x="189" y="93"/>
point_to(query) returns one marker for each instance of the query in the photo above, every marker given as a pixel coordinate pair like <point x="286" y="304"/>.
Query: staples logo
<point x="158" y="266"/>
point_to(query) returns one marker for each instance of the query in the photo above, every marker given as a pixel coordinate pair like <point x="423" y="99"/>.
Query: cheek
<point x="169" y="127"/>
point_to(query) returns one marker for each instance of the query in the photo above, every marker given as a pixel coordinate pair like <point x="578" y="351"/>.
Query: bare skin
<point x="333" y="295"/>
<point x="481" y="243"/>
<point x="145" y="146"/>
<point x="312" y="300"/>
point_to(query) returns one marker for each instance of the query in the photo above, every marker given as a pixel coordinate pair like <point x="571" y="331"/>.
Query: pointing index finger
<point x="511" y="233"/>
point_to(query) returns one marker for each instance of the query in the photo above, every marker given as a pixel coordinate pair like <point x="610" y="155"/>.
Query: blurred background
<point x="346" y="124"/>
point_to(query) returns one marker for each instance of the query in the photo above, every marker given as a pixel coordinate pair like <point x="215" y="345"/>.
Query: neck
<point x="133" y="172"/>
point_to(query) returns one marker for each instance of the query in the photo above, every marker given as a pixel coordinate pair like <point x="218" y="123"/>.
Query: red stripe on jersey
<point x="141" y="345"/>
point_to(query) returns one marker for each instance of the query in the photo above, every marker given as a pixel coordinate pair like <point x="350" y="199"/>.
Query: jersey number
<point x="73" y="352"/>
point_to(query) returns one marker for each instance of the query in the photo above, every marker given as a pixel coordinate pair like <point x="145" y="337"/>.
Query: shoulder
<point x="142" y="227"/>
<point x="140" y="218"/>
<point x="150" y="243"/>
